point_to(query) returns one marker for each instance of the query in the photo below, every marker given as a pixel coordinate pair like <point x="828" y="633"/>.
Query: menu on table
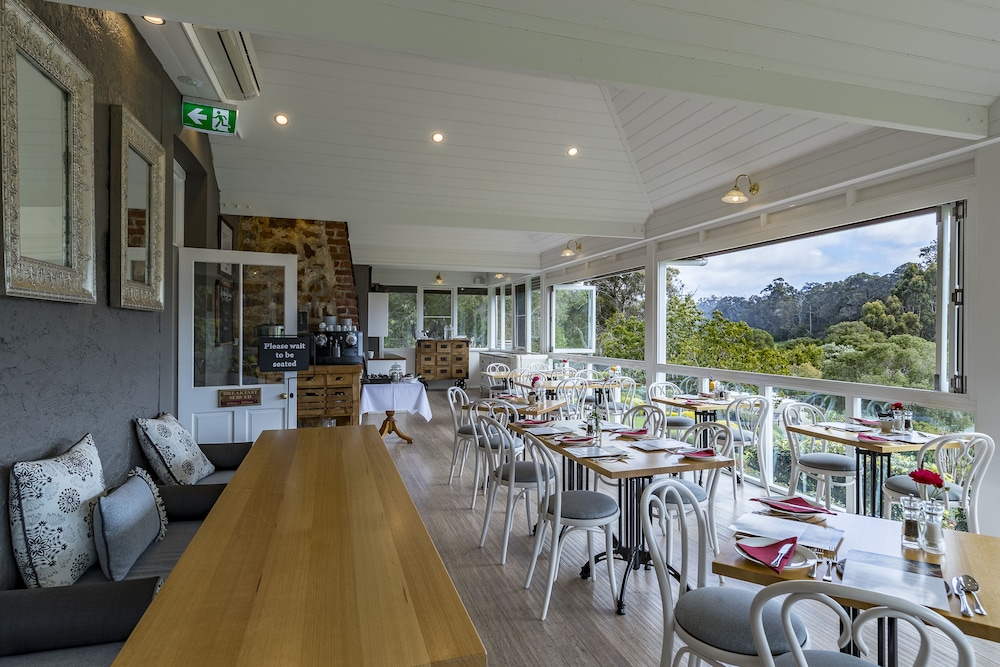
<point x="658" y="444"/>
<point x="548" y="430"/>
<point x="594" y="452"/>
<point x="809" y="534"/>
<point x="916" y="581"/>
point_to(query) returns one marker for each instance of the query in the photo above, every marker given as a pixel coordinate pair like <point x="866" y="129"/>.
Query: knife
<point x="782" y="552"/>
<point x="959" y="589"/>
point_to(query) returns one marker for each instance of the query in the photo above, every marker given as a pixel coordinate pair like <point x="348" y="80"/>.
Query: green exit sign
<point x="206" y="117"/>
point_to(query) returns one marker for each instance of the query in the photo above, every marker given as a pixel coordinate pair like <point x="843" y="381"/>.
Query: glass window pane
<point x="535" y="344"/>
<point x="263" y="315"/>
<point x="473" y="310"/>
<point x="402" y="320"/>
<point x="216" y="321"/>
<point x="520" y="317"/>
<point x="573" y="318"/>
<point x="437" y="313"/>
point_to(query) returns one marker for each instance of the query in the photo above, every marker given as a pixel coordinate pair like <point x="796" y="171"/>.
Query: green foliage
<point x="738" y="346"/>
<point x="623" y="337"/>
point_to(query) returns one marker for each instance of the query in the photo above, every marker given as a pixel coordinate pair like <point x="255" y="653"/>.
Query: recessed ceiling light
<point x="155" y="20"/>
<point x="280" y="119"/>
<point x="190" y="81"/>
<point x="572" y="151"/>
<point x="437" y="137"/>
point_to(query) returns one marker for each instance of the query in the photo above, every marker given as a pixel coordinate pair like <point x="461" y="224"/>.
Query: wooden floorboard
<point x="581" y="627"/>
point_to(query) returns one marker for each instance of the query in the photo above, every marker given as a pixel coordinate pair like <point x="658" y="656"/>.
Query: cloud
<point x="877" y="248"/>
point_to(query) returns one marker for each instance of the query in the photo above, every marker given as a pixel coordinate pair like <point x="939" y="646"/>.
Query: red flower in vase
<point x="928" y="478"/>
<point x="897" y="406"/>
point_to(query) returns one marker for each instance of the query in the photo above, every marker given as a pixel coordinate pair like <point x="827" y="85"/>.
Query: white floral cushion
<point x="126" y="521"/>
<point x="172" y="452"/>
<point x="51" y="506"/>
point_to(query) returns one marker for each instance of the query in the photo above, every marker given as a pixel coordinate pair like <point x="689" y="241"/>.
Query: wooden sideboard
<point x="329" y="392"/>
<point x="443" y="359"/>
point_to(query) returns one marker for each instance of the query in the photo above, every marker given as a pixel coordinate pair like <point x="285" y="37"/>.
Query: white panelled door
<point x="226" y="299"/>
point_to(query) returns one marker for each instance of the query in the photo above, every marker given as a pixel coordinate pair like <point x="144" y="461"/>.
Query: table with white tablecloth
<point x="395" y="397"/>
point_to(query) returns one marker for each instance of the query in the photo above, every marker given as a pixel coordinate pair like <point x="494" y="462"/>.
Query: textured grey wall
<point x="66" y="369"/>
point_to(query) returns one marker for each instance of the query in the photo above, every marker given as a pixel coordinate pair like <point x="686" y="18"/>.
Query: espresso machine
<point x="338" y="347"/>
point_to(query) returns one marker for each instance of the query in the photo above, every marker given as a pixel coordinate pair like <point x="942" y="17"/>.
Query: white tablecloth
<point x="401" y="396"/>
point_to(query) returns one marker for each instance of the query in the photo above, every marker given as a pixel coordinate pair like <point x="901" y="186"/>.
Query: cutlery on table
<point x="813" y="569"/>
<point x="829" y="570"/>
<point x="959" y="589"/>
<point x="970" y="584"/>
<point x="782" y="552"/>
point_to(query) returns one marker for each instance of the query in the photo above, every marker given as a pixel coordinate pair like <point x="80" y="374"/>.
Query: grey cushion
<point x="675" y="421"/>
<point x="742" y="435"/>
<point x="126" y="521"/>
<point x="98" y="655"/>
<point x="699" y="493"/>
<point x="720" y="617"/>
<point x="467" y="429"/>
<point x="904" y="485"/>
<point x="218" y="477"/>
<point x="172" y="452"/>
<point x="68" y="616"/>
<point x="826" y="461"/>
<point x="586" y="505"/>
<point x="822" y="659"/>
<point x="524" y="471"/>
<point x="51" y="505"/>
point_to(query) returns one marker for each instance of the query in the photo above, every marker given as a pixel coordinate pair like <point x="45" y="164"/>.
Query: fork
<point x="829" y="570"/>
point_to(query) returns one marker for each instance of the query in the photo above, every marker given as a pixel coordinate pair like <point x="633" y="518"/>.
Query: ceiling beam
<point x="590" y="56"/>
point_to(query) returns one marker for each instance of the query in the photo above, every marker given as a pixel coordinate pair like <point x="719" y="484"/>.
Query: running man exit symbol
<point x="207" y="117"/>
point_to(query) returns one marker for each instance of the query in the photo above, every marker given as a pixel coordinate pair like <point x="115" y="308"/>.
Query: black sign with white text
<point x="288" y="353"/>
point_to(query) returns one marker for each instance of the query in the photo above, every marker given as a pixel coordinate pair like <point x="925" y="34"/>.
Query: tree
<point x="683" y="320"/>
<point x="623" y="337"/>
<point x="738" y="346"/>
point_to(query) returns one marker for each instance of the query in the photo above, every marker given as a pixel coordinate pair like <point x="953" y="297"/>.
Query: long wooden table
<point x="632" y="473"/>
<point x="965" y="553"/>
<point x="313" y="555"/>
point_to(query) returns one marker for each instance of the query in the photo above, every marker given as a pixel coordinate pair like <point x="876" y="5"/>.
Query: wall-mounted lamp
<point x="736" y="196"/>
<point x="438" y="279"/>
<point x="498" y="276"/>
<point x="568" y="251"/>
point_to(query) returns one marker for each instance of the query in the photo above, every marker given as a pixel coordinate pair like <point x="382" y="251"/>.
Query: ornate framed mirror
<point x="47" y="155"/>
<point x="137" y="214"/>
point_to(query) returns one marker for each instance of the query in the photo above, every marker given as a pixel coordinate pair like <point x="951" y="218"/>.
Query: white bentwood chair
<point x="496" y="385"/>
<point x="464" y="429"/>
<point x="811" y="458"/>
<point x="648" y="417"/>
<point x="712" y="621"/>
<point x="564" y="512"/>
<point x="747" y="416"/>
<point x="573" y="391"/>
<point x="676" y="422"/>
<point x="504" y="413"/>
<point x="920" y="619"/>
<point x="961" y="459"/>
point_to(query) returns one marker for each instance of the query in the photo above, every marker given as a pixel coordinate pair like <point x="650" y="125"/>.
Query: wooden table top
<point x="965" y="553"/>
<point x="833" y="434"/>
<point x="313" y="555"/>
<point x="638" y="463"/>
<point x="539" y="408"/>
<point x="695" y="405"/>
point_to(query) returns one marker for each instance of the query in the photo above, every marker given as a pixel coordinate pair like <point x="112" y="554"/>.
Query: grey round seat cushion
<point x="827" y="461"/>
<point x="903" y="485"/>
<point x="822" y="659"/>
<point x="720" y="617"/>
<point x="585" y="505"/>
<point x="677" y="421"/>
<point x="524" y="471"/>
<point x="699" y="493"/>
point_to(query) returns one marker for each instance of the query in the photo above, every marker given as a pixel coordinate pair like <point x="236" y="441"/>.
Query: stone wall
<point x="326" y="273"/>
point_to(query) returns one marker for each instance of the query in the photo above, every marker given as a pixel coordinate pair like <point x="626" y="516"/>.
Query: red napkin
<point x="765" y="555"/>
<point x="640" y="431"/>
<point x="872" y="438"/>
<point x="577" y="438"/>
<point x="866" y="422"/>
<point x="796" y="504"/>
<point x="698" y="453"/>
<point x="534" y="421"/>
<point x="506" y="396"/>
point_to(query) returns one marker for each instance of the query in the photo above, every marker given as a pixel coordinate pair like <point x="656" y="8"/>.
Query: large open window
<point x="574" y="309"/>
<point x="876" y="303"/>
<point x="472" y="322"/>
<point x="402" y="317"/>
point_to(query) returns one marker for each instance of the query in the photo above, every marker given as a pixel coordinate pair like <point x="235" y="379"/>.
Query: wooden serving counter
<point x="313" y="555"/>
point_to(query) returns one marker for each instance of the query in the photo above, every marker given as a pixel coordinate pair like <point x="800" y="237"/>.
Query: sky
<point x="878" y="248"/>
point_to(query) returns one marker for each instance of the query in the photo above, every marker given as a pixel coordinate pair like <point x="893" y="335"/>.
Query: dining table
<point x="525" y="408"/>
<point x="629" y="461"/>
<point x="392" y="397"/>
<point x="874" y="544"/>
<point x="873" y="452"/>
<point x="704" y="408"/>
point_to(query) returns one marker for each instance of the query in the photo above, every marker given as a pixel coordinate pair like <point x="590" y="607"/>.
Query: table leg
<point x="873" y="469"/>
<point x="389" y="425"/>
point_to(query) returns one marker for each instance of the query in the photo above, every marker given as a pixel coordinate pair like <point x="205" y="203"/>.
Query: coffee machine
<point x="338" y="347"/>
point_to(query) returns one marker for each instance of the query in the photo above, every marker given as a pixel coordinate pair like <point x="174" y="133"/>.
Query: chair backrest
<point x="457" y="399"/>
<point x="588" y="374"/>
<point x="538" y="366"/>
<point x="746" y="416"/>
<point x="649" y="417"/>
<point x="496" y="408"/>
<point x="489" y="429"/>
<point x="885" y="606"/>
<point x="662" y="389"/>
<point x="962" y="459"/>
<point x="802" y="413"/>
<point x="628" y="389"/>
<point x="497" y="367"/>
<point x="548" y="475"/>
<point x="572" y="390"/>
<point x="719" y="437"/>
<point x="659" y="495"/>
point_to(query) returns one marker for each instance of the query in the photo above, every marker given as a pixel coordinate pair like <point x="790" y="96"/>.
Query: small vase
<point x="932" y="540"/>
<point x="913" y="521"/>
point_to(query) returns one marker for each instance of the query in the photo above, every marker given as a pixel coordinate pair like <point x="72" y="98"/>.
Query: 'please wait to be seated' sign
<point x="288" y="353"/>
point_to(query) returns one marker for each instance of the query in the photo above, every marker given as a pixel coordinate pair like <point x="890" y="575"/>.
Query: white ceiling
<point x="666" y="101"/>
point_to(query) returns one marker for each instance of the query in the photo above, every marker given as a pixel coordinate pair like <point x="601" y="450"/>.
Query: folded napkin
<point x="765" y="555"/>
<point x="698" y="453"/>
<point x="866" y="422"/>
<point x="795" y="504"/>
<point x="640" y="431"/>
<point x="577" y="438"/>
<point x="506" y="396"/>
<point x="534" y="421"/>
<point x="872" y="438"/>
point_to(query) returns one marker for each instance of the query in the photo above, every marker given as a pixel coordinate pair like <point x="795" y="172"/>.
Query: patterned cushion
<point x="172" y="452"/>
<point x="126" y="521"/>
<point x="51" y="503"/>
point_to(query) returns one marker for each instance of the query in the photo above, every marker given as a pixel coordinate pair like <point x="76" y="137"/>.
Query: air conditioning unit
<point x="232" y="60"/>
